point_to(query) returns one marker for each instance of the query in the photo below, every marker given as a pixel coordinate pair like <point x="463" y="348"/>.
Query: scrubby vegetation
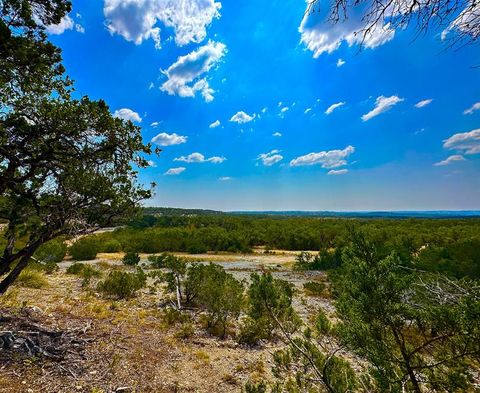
<point x="393" y="311"/>
<point x="84" y="249"/>
<point x="131" y="259"/>
<point x="444" y="245"/>
<point x="122" y="285"/>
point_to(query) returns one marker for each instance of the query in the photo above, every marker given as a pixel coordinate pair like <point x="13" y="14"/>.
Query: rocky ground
<point x="100" y="345"/>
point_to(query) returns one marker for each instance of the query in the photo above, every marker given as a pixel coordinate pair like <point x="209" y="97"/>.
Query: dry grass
<point x="127" y="346"/>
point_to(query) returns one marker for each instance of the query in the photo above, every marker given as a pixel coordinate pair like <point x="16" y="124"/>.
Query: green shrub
<point x="84" y="249"/>
<point x="269" y="301"/>
<point x="111" y="246"/>
<point x="217" y="292"/>
<point x="52" y="251"/>
<point x="30" y="278"/>
<point x="88" y="273"/>
<point x="314" y="288"/>
<point x="122" y="285"/>
<point x="75" y="268"/>
<point x="131" y="259"/>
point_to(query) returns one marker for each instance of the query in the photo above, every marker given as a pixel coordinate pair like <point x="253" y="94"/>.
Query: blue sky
<point x="258" y="106"/>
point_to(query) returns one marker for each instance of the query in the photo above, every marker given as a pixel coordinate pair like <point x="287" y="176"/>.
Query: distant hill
<point x="369" y="214"/>
<point x="173" y="211"/>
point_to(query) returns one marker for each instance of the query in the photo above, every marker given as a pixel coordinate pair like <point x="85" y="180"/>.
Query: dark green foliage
<point x="324" y="260"/>
<point x="217" y="292"/>
<point x="84" y="249"/>
<point x="158" y="261"/>
<point x="417" y="329"/>
<point x="122" y="285"/>
<point x="67" y="166"/>
<point x="269" y="304"/>
<point x="52" y="251"/>
<point x="413" y="240"/>
<point x="131" y="259"/>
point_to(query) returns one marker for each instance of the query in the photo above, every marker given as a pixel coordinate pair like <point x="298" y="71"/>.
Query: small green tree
<point x="269" y="308"/>
<point x="176" y="270"/>
<point x="84" y="249"/>
<point x="131" y="259"/>
<point x="218" y="292"/>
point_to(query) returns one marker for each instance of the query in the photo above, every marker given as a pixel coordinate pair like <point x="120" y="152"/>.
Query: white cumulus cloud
<point x="164" y="139"/>
<point x="382" y="104"/>
<point x="277" y="134"/>
<point x="340" y="62"/>
<point x="327" y="159"/>
<point x="473" y="108"/>
<point x="423" y="103"/>
<point x="271" y="158"/>
<point x="307" y="110"/>
<point x="320" y="35"/>
<point x="66" y="23"/>
<point x="337" y="172"/>
<point x="175" y="171"/>
<point x="183" y="76"/>
<point x="215" y="124"/>
<point x="127" y="114"/>
<point x="466" y="142"/>
<point x="331" y="108"/>
<point x="449" y="160"/>
<point x="241" y="117"/>
<point x="139" y="20"/>
<point x="199" y="157"/>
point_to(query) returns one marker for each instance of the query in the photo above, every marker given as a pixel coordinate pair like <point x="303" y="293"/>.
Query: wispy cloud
<point x="423" y="103"/>
<point x="473" y="108"/>
<point x="215" y="124"/>
<point x="331" y="108"/>
<point x="449" y="160"/>
<point x="336" y="172"/>
<point x="175" y="171"/>
<point x="340" y="62"/>
<point x="382" y="104"/>
<point x="271" y="158"/>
